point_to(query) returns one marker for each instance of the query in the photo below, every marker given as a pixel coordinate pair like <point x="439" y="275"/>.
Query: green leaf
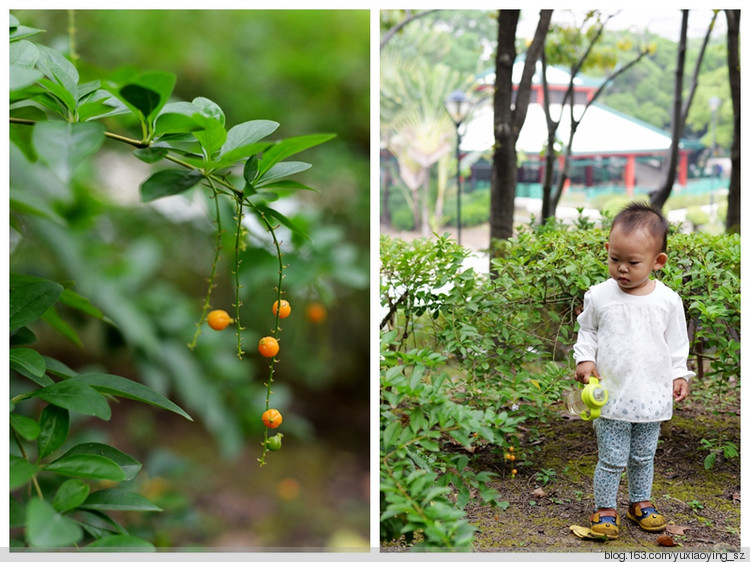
<point x="209" y="109"/>
<point x="168" y="182"/>
<point x="250" y="170"/>
<point x="22" y="336"/>
<point x="65" y="146"/>
<point x="390" y="434"/>
<point x="74" y="300"/>
<point x="52" y="318"/>
<point x="21" y="471"/>
<point x="46" y="528"/>
<point x="87" y="466"/>
<point x="17" y="513"/>
<point x="285" y="148"/>
<point x="27" y="362"/>
<point x="114" y="499"/>
<point x="58" y="368"/>
<point x="25" y="427"/>
<point x="18" y="32"/>
<point x="151" y="154"/>
<point x="171" y="123"/>
<point x="99" y="105"/>
<point x="56" y="67"/>
<point x="148" y="92"/>
<point x="70" y="495"/>
<point x="120" y="543"/>
<point x="29" y="299"/>
<point x="76" y="395"/>
<point x="128" y="464"/>
<point x="22" y="77"/>
<point x="287" y="184"/>
<point x="709" y="461"/>
<point x="245" y="135"/>
<point x="23" y="54"/>
<point x="283" y="220"/>
<point x="211" y="136"/>
<point x="55" y="424"/>
<point x="143" y="99"/>
<point x="281" y="170"/>
<point x="120" y="386"/>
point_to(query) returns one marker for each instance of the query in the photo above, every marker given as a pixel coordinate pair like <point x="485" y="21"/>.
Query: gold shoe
<point x="647" y="516"/>
<point x="605" y="522"/>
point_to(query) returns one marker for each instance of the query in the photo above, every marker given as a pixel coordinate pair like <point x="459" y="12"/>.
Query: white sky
<point x="664" y="22"/>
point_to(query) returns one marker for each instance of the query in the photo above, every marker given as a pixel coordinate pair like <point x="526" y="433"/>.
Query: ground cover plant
<point x="63" y="490"/>
<point x="473" y="366"/>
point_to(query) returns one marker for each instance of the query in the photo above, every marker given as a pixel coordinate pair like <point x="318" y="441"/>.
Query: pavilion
<point x="609" y="147"/>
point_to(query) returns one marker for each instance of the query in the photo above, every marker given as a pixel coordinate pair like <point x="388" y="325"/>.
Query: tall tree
<point x="509" y="116"/>
<point x="733" y="62"/>
<point x="576" y="64"/>
<point x="679" y="111"/>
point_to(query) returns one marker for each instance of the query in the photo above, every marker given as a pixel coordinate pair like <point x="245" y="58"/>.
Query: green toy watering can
<point x="587" y="400"/>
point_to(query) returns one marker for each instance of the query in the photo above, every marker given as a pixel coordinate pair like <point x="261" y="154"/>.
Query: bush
<point x="475" y="209"/>
<point x="466" y="358"/>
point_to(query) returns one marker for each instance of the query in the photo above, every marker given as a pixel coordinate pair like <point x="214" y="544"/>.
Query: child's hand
<point x="680" y="389"/>
<point x="584" y="370"/>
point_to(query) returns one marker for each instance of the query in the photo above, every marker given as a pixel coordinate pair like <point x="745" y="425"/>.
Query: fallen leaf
<point x="666" y="540"/>
<point x="539" y="493"/>
<point x="585" y="533"/>
<point x="675" y="530"/>
<point x="736" y="497"/>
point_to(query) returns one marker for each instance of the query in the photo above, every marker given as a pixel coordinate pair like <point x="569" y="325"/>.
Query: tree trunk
<point x="669" y="166"/>
<point x="733" y="62"/>
<point x="679" y="114"/>
<point x="509" y="117"/>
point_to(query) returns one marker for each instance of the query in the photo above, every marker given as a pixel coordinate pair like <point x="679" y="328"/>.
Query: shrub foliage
<point x="466" y="357"/>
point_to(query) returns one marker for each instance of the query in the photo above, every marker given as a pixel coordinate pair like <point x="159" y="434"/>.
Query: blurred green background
<point x="145" y="267"/>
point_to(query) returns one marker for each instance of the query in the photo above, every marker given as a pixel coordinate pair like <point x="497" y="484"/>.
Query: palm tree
<point x="415" y="127"/>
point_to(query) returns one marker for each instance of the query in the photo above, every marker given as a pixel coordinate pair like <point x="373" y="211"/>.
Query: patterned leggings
<point x="621" y="445"/>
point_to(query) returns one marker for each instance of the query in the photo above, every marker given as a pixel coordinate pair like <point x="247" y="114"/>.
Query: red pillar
<point x="630" y="174"/>
<point x="683" y="170"/>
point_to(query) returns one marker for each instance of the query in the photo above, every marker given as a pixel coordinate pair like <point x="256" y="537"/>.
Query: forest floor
<point x="553" y="488"/>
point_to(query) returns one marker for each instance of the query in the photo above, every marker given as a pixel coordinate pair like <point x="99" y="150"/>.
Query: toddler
<point x="633" y="338"/>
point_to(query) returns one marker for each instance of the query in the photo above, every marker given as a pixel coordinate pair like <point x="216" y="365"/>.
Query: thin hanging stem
<point x="277" y="328"/>
<point x="237" y="285"/>
<point x="212" y="277"/>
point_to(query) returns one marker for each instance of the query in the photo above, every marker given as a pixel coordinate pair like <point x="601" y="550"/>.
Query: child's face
<point x="632" y="258"/>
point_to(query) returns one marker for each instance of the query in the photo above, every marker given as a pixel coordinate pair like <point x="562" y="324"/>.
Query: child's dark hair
<point x="641" y="215"/>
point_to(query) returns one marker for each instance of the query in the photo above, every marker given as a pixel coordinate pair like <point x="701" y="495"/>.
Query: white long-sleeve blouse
<point x="639" y="345"/>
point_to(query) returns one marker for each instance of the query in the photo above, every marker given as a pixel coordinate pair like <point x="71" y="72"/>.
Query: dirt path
<point x="553" y="488"/>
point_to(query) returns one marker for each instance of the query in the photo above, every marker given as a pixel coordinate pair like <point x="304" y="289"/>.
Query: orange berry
<point x="281" y="308"/>
<point x="268" y="346"/>
<point x="271" y="418"/>
<point x="507" y="456"/>
<point x="514" y="472"/>
<point x="511" y="449"/>
<point x="218" y="319"/>
<point x="512" y="458"/>
<point x="316" y="313"/>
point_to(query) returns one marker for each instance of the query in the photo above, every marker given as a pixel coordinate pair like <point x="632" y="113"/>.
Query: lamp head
<point x="457" y="105"/>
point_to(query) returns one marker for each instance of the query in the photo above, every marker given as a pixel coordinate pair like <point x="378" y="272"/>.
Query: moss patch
<point x="553" y="487"/>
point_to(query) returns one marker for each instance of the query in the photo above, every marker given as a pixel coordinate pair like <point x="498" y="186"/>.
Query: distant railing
<point x="695" y="186"/>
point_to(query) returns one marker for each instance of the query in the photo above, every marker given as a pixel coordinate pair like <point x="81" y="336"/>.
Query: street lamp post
<point x="457" y="105"/>
<point x="713" y="105"/>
